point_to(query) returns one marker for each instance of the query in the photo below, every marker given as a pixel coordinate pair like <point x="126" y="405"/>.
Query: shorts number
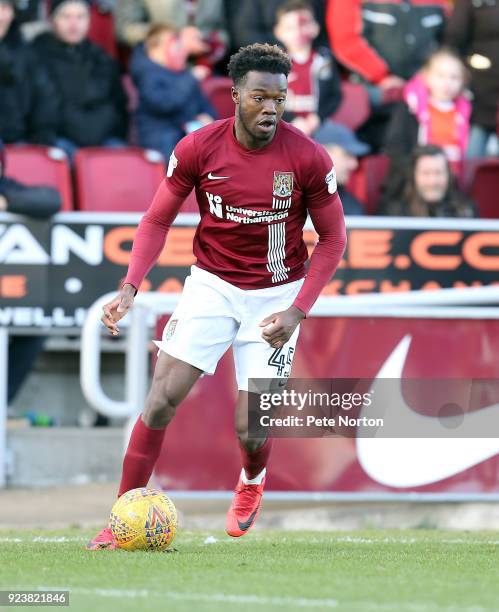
<point x="282" y="361"/>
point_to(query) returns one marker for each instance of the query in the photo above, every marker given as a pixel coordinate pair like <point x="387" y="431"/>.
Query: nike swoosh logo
<point x="247" y="524"/>
<point x="212" y="177"/>
<point x="411" y="462"/>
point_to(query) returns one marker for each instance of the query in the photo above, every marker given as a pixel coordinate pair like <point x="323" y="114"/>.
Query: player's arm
<point x="329" y="223"/>
<point x="326" y="212"/>
<point x="147" y="246"/>
<point x="153" y="228"/>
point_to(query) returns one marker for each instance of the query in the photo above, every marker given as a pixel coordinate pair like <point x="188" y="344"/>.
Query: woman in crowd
<point x="429" y="189"/>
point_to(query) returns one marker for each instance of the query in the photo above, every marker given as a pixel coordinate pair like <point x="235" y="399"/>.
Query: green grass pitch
<point x="415" y="571"/>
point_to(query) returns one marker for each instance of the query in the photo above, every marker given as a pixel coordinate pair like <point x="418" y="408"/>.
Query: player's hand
<point x="279" y="327"/>
<point x="117" y="309"/>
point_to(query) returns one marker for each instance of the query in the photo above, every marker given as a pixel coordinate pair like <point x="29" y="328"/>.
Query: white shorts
<point x="212" y="315"/>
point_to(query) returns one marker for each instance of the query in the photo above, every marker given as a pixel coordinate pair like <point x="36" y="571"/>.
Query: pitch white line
<point x="261" y="537"/>
<point x="385" y="540"/>
<point x="45" y="539"/>
<point x="297" y="602"/>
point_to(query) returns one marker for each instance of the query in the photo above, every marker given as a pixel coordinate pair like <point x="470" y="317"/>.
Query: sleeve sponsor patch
<point x="172" y="164"/>
<point x="331" y="181"/>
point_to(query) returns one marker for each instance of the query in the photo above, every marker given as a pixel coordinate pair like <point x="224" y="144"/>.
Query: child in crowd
<point x="434" y="111"/>
<point x="171" y="102"/>
<point x="314" y="84"/>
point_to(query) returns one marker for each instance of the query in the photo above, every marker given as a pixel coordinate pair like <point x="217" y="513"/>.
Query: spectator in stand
<point x="473" y="30"/>
<point x="434" y="111"/>
<point x="344" y="149"/>
<point x="252" y="21"/>
<point x="429" y="189"/>
<point x="90" y="98"/>
<point x="314" y="89"/>
<point x="384" y="44"/>
<point x="27" y="107"/>
<point x="171" y="102"/>
<point x="201" y="23"/>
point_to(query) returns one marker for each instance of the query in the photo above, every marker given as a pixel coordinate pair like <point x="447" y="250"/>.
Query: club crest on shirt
<point x="172" y="164"/>
<point x="283" y="184"/>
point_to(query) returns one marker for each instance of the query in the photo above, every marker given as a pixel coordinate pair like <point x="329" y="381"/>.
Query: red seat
<point x="366" y="182"/>
<point x="101" y="31"/>
<point x="117" y="179"/>
<point x="484" y="187"/>
<point x="45" y="166"/>
<point x="354" y="108"/>
<point x="217" y="90"/>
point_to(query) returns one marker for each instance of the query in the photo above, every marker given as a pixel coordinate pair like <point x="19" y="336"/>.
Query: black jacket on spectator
<point x="474" y="29"/>
<point x="351" y="205"/>
<point x="36" y="202"/>
<point x="375" y="38"/>
<point x="27" y="96"/>
<point x="90" y="97"/>
<point x="252" y="21"/>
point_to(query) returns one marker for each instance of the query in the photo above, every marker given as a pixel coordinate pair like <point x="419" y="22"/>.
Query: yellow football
<point x="144" y="519"/>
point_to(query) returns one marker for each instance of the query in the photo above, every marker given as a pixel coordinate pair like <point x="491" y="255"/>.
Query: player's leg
<point x="172" y="381"/>
<point x="255" y="453"/>
<point x="199" y="332"/>
<point x="255" y="358"/>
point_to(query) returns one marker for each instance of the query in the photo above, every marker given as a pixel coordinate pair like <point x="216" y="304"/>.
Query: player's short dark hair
<point x="258" y="57"/>
<point x="294" y="5"/>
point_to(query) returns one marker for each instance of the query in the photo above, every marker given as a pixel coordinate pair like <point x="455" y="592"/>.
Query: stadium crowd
<point x="403" y="94"/>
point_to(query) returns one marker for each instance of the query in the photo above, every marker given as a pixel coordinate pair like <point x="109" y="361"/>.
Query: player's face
<point x="259" y="106"/>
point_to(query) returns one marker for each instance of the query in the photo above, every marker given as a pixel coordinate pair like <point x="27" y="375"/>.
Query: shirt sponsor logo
<point x="331" y="183"/>
<point x="240" y="214"/>
<point x="172" y="164"/>
<point x="283" y="184"/>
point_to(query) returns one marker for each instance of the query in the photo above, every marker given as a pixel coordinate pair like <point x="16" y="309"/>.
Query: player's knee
<point x="161" y="406"/>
